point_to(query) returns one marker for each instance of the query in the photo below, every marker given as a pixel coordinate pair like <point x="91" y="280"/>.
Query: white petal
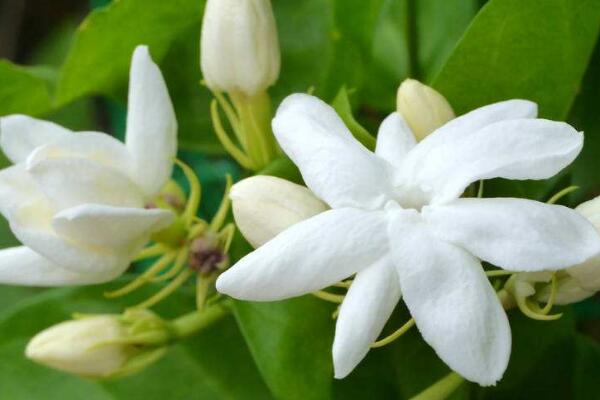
<point x="334" y="165"/>
<point x="308" y="256"/>
<point x="69" y="182"/>
<point x="591" y="210"/>
<point x="453" y="304"/>
<point x="264" y="206"/>
<point x="22" y="266"/>
<point x="513" y="149"/>
<point x="31" y="224"/>
<point x="363" y="314"/>
<point x="20" y="135"/>
<point x="103" y="226"/>
<point x="151" y="125"/>
<point x="516" y="234"/>
<point x="94" y="146"/>
<point x="394" y="139"/>
<point x="16" y="188"/>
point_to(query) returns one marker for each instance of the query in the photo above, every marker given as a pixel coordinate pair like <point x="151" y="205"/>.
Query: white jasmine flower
<point x="423" y="108"/>
<point x="397" y="222"/>
<point x="77" y="200"/>
<point x="239" y="46"/>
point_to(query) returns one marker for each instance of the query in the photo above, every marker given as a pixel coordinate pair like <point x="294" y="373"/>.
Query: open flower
<point x="77" y="201"/>
<point x="397" y="222"/>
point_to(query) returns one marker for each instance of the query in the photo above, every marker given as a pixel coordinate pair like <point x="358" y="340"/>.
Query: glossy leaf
<point x="537" y="50"/>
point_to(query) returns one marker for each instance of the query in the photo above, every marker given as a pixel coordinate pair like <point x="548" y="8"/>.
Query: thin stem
<point x="145" y="277"/>
<point x="323" y="295"/>
<point x="226" y="236"/>
<point x="191" y="207"/>
<point x="231" y="148"/>
<point x="177" y="266"/>
<point x="219" y="218"/>
<point x="203" y="284"/>
<point x="151" y="251"/>
<point x="232" y="116"/>
<point x="196" y="321"/>
<point x="389" y="339"/>
<point x="526" y="308"/>
<point x="166" y="291"/>
<point x="562" y="194"/>
<point x="442" y="389"/>
<point x="480" y="190"/>
<point x="552" y="297"/>
<point x="498" y="272"/>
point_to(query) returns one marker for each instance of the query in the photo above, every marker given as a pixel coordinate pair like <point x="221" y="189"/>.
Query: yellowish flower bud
<point x="239" y="46"/>
<point x="588" y="273"/>
<point x="423" y="108"/>
<point x="263" y="206"/>
<point x="84" y="347"/>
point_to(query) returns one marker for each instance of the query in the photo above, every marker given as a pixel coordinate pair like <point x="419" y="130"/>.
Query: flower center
<point x="412" y="197"/>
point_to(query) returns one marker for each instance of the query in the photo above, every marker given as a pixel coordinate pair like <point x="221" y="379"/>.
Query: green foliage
<point x="536" y="50"/>
<point x="291" y="344"/>
<point x="212" y="365"/>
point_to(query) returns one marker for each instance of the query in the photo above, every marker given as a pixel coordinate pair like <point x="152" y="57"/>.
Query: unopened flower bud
<point x="239" y="46"/>
<point x="87" y="347"/>
<point x="423" y="108"/>
<point x="587" y="274"/>
<point x="264" y="206"/>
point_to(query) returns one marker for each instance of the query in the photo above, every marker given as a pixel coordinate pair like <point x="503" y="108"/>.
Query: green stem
<point x="196" y="321"/>
<point x="442" y="389"/>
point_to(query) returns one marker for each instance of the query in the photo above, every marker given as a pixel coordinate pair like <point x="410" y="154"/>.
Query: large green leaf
<point x="213" y="365"/>
<point x="23" y="90"/>
<point x="585" y="118"/>
<point x="291" y="344"/>
<point x="99" y="58"/>
<point x="536" y="49"/>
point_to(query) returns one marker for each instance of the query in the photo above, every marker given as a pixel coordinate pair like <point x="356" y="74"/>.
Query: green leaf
<point x="587" y="364"/>
<point x="291" y="344"/>
<point x="537" y="50"/>
<point x="213" y="365"/>
<point x="341" y="104"/>
<point x="585" y="118"/>
<point x="23" y="90"/>
<point x="98" y="61"/>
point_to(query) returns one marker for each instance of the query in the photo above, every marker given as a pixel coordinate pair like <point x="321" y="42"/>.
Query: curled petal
<point x="22" y="266"/>
<point x="151" y="125"/>
<point x="31" y="224"/>
<point x="97" y="225"/>
<point x="394" y="139"/>
<point x="20" y="135"/>
<point x="94" y="146"/>
<point x="69" y="182"/>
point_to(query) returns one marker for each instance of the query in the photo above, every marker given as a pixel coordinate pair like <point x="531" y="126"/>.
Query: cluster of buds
<point x="240" y="57"/>
<point x="567" y="286"/>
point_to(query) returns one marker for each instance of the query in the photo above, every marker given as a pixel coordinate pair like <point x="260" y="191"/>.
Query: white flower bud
<point x="588" y="273"/>
<point x="82" y="347"/>
<point x="239" y="46"/>
<point x="263" y="206"/>
<point x="423" y="108"/>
